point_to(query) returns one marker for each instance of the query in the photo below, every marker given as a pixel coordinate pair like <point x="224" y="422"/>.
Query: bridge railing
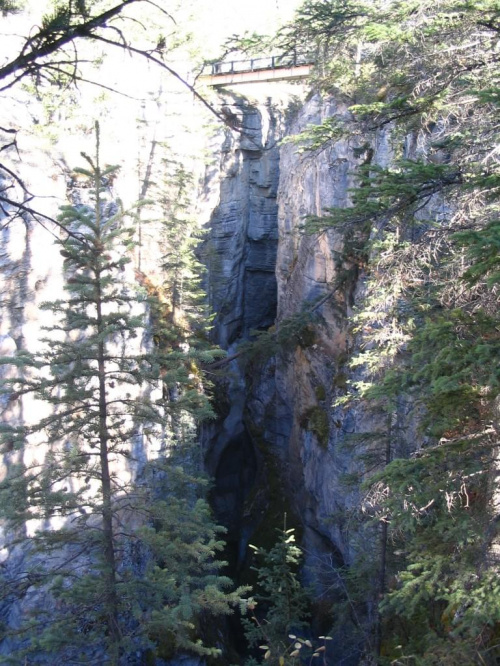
<point x="256" y="64"/>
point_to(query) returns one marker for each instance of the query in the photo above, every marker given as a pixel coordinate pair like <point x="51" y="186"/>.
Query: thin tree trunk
<point x="384" y="531"/>
<point x="107" y="509"/>
<point x="106" y="489"/>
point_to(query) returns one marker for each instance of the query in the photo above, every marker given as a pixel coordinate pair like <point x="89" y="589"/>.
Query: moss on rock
<point x="315" y="419"/>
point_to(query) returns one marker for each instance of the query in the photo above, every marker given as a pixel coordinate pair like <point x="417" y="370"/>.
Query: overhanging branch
<point x="37" y="214"/>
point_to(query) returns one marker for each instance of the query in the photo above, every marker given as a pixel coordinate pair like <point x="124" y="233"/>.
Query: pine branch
<point x="44" y="43"/>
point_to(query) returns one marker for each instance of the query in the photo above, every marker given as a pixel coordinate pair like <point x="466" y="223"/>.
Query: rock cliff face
<point x="311" y="274"/>
<point x="241" y="256"/>
<point x="296" y="448"/>
<point x="256" y="233"/>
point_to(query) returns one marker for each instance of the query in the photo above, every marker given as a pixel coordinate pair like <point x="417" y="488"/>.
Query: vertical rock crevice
<point x="265" y="270"/>
<point x="243" y="229"/>
<point x="241" y="256"/>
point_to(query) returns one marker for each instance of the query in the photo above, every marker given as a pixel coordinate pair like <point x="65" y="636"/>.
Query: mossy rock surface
<point x="315" y="419"/>
<point x="320" y="393"/>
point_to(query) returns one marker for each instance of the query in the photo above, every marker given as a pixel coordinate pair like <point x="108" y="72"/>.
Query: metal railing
<point x="256" y="64"/>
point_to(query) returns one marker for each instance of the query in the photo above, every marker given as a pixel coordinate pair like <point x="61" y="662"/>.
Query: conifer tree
<point x="282" y="601"/>
<point x="113" y="523"/>
<point x="183" y="273"/>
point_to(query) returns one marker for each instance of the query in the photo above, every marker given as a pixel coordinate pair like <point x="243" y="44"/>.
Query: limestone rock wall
<point x="264" y="270"/>
<point x="240" y="254"/>
<point x="326" y="443"/>
<point x="242" y="246"/>
<point x="310" y="377"/>
<point x="295" y="447"/>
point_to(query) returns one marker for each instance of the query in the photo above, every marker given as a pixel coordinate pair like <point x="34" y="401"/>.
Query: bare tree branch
<point x="37" y="214"/>
<point x="163" y="65"/>
<point x="44" y="43"/>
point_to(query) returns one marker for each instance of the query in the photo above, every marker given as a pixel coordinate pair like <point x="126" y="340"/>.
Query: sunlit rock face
<point x="326" y="443"/>
<point x="325" y="447"/>
<point x="308" y="271"/>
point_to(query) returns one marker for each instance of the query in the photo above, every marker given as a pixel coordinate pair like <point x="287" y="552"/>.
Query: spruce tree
<point x="113" y="523"/>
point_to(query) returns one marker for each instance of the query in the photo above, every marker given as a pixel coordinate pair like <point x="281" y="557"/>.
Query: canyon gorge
<point x="276" y="313"/>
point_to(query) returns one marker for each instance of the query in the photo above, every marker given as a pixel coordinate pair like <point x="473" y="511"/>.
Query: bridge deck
<point x="271" y="68"/>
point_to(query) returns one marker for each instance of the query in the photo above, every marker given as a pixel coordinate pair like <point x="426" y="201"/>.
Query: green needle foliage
<point x="183" y="274"/>
<point x="282" y="601"/>
<point x="103" y="492"/>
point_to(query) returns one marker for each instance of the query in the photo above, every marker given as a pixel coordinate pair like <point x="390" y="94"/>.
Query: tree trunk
<point x="384" y="530"/>
<point x="111" y="594"/>
<point x="107" y="509"/>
